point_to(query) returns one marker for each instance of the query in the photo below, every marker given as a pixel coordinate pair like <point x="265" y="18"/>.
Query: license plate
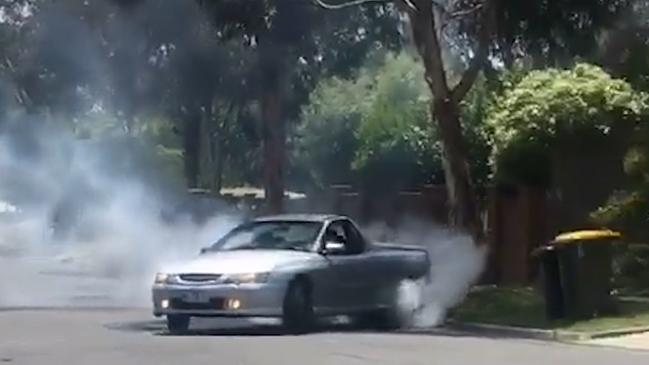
<point x="195" y="297"/>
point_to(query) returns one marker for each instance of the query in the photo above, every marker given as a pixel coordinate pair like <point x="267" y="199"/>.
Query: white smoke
<point x="81" y="221"/>
<point x="456" y="264"/>
<point x="120" y="239"/>
<point x="112" y="236"/>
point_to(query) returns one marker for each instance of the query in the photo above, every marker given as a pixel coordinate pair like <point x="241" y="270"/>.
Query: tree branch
<point x="465" y="12"/>
<point x="450" y="14"/>
<point x="347" y="4"/>
<point x="487" y="21"/>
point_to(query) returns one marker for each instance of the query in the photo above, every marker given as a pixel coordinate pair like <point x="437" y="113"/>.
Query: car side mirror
<point x="203" y="250"/>
<point x="333" y="248"/>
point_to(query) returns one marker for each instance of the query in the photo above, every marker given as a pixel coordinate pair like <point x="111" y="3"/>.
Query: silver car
<point x="294" y="267"/>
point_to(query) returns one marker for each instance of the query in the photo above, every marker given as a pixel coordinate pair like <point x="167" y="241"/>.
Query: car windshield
<point x="270" y="236"/>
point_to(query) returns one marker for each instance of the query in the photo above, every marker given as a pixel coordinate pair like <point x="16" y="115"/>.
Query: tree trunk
<point x="219" y="150"/>
<point x="274" y="146"/>
<point x="206" y="146"/>
<point x="462" y="200"/>
<point x="272" y="70"/>
<point x="218" y="169"/>
<point x="464" y="212"/>
<point x="191" y="148"/>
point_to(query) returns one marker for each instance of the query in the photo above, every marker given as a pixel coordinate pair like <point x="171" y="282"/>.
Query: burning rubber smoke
<point x="86" y="222"/>
<point x="456" y="263"/>
<point x="89" y="222"/>
<point x="82" y="223"/>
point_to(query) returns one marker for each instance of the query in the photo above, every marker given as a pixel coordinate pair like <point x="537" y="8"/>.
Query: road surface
<point x="130" y="336"/>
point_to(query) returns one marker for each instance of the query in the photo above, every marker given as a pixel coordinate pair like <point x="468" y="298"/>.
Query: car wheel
<point x="177" y="323"/>
<point x="298" y="316"/>
<point x="405" y="298"/>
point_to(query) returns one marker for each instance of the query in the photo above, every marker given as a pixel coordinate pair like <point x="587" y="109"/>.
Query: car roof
<point x="316" y="218"/>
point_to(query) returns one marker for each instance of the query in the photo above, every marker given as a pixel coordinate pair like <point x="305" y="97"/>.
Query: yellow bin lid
<point x="586" y="235"/>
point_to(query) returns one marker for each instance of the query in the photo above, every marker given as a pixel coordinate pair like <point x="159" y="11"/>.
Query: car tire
<point x="297" y="312"/>
<point x="177" y="323"/>
<point x="398" y="315"/>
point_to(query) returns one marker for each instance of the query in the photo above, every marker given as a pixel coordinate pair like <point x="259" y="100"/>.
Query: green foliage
<point x="377" y="126"/>
<point x="398" y="145"/>
<point x="627" y="210"/>
<point x="553" y="104"/>
<point x="474" y="108"/>
<point x="154" y="140"/>
<point x="374" y="126"/>
<point x="507" y="306"/>
<point x="555" y="32"/>
<point x="325" y="139"/>
<point x="632" y="268"/>
<point x="524" y="307"/>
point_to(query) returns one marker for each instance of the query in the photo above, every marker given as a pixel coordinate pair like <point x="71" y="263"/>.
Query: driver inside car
<point x="332" y="236"/>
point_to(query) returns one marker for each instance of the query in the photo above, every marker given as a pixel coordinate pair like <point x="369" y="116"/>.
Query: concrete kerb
<point x="619" y="332"/>
<point x="503" y="331"/>
<point x="540" y="334"/>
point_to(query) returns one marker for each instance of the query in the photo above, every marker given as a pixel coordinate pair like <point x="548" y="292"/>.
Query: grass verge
<point x="523" y="307"/>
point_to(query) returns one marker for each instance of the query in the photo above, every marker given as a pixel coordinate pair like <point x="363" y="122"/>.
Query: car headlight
<point x="163" y="278"/>
<point x="247" y="278"/>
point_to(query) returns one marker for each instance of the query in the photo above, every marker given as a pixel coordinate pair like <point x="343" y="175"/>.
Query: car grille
<point x="199" y="278"/>
<point x="214" y="303"/>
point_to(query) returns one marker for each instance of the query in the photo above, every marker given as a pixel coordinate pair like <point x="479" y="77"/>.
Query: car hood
<point x="240" y="261"/>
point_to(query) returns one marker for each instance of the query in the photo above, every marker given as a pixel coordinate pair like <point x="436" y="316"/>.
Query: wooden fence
<point x="517" y="220"/>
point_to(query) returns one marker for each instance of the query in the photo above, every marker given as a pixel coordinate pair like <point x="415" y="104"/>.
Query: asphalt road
<point x="119" y="336"/>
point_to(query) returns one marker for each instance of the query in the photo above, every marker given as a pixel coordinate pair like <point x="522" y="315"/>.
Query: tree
<point x="274" y="30"/>
<point x="371" y="127"/>
<point x="462" y="199"/>
<point x="627" y="211"/>
<point x="555" y="33"/>
<point x="625" y="46"/>
<point x="547" y="105"/>
<point x="205" y="83"/>
<point x="397" y="144"/>
<point x="325" y="139"/>
<point x="556" y="126"/>
<point x="548" y="31"/>
<point x="128" y="61"/>
<point x="293" y="45"/>
<point x="168" y="56"/>
<point x="376" y="126"/>
<point x="16" y="25"/>
<point x="427" y="20"/>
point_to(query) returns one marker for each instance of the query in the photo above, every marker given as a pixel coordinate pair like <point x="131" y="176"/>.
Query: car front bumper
<point x="255" y="300"/>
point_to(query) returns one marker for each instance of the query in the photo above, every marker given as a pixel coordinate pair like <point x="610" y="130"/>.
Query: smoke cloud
<point x="82" y="222"/>
<point x="85" y="222"/>
<point x="89" y="221"/>
<point x="456" y="263"/>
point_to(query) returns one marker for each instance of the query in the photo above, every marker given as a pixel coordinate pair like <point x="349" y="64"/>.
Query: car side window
<point x="343" y="231"/>
<point x="336" y="233"/>
<point x="355" y="244"/>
